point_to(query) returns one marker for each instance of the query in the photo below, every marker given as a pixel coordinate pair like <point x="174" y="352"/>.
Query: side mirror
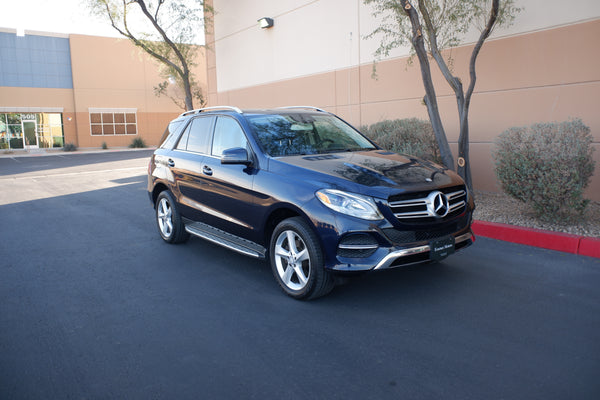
<point x="236" y="155"/>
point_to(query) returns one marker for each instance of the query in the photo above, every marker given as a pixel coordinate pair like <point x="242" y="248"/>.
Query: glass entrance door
<point x="30" y="135"/>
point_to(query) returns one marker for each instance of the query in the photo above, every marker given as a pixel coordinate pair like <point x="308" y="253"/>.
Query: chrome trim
<point x="428" y="203"/>
<point x="456" y="194"/>
<point x="199" y="110"/>
<point x="358" y="246"/>
<point x="223" y="243"/>
<point x="393" y="256"/>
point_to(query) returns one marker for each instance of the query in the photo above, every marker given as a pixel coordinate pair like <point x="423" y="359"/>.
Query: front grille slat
<point x="420" y="214"/>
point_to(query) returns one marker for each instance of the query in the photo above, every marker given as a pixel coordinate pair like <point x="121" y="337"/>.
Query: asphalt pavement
<point x="94" y="305"/>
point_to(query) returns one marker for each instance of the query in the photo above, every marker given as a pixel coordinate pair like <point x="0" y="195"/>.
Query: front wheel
<point x="297" y="260"/>
<point x="168" y="219"/>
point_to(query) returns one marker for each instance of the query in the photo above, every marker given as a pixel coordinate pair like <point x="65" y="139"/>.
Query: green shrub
<point x="104" y="146"/>
<point x="407" y="136"/>
<point x="548" y="166"/>
<point x="57" y="142"/>
<point x="16" y="143"/>
<point x="70" y="147"/>
<point x="138" y="143"/>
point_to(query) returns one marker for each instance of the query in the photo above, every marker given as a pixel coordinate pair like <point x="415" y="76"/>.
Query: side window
<point x="171" y="135"/>
<point x="228" y="134"/>
<point x="200" y="133"/>
<point x="197" y="135"/>
<point x="182" y="145"/>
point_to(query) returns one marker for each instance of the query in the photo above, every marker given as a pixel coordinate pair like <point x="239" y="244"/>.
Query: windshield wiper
<point x="343" y="150"/>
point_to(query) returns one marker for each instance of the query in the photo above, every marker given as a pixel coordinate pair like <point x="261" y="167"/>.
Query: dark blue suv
<point x="302" y="188"/>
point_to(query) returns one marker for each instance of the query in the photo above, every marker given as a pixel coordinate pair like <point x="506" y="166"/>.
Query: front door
<point x="30" y="135"/>
<point x="228" y="189"/>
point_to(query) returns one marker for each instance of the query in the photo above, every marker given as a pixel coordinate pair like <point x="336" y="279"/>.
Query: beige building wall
<point x="41" y="100"/>
<point x="532" y="72"/>
<point x="113" y="73"/>
<point x="107" y="73"/>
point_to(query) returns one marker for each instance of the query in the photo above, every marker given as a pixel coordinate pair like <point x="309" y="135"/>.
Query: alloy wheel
<point x="164" y="214"/>
<point x="292" y="260"/>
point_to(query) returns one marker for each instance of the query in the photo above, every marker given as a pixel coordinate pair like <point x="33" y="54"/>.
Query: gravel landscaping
<point x="501" y="208"/>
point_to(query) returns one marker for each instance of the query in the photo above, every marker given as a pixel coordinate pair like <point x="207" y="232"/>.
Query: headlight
<point x="349" y="203"/>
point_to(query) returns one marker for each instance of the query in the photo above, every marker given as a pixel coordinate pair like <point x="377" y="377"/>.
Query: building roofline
<point x="35" y="33"/>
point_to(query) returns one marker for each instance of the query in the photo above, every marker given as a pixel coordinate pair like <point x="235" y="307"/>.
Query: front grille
<point x="397" y="236"/>
<point x="429" y="206"/>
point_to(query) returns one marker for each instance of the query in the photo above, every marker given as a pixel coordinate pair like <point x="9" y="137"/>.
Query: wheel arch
<point x="158" y="188"/>
<point x="283" y="212"/>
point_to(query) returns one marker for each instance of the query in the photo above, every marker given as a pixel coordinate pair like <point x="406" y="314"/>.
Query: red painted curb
<point x="539" y="238"/>
<point x="589" y="247"/>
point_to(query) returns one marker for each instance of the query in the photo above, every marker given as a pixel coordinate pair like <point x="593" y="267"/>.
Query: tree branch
<point x="435" y="52"/>
<point x="484" y="35"/>
<point x="163" y="34"/>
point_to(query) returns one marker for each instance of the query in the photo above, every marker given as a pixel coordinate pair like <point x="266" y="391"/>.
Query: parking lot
<point x="93" y="304"/>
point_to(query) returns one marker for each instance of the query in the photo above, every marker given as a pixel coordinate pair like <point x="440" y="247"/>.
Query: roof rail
<point x="199" y="110"/>
<point x="307" y="107"/>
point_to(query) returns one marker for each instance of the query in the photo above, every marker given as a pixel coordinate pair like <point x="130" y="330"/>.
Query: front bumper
<point x="418" y="254"/>
<point x="396" y="256"/>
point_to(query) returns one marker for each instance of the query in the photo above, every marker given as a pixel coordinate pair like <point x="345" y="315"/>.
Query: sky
<point x="59" y="16"/>
<point x="55" y="16"/>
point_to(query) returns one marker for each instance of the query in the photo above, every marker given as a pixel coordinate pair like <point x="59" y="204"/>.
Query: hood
<point x="377" y="172"/>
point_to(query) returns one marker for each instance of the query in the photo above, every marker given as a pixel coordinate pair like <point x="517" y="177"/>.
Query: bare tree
<point x="167" y="33"/>
<point x="430" y="26"/>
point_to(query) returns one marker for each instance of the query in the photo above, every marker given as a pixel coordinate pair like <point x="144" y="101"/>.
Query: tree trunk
<point x="464" y="164"/>
<point x="189" y="102"/>
<point x="438" y="128"/>
<point x="430" y="97"/>
<point x="463" y="139"/>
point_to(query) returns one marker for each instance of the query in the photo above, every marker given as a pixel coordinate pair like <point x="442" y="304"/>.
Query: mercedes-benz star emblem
<point x="440" y="204"/>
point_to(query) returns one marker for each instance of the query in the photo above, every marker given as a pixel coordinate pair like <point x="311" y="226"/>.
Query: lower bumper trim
<point x="389" y="260"/>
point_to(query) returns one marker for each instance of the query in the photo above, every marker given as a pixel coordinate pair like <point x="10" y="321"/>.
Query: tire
<point x="297" y="260"/>
<point x="168" y="219"/>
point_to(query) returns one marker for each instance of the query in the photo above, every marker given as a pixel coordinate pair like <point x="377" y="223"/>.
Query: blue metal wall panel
<point x="35" y="61"/>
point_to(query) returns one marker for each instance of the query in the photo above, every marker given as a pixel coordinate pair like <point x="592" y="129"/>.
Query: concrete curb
<point x="574" y="244"/>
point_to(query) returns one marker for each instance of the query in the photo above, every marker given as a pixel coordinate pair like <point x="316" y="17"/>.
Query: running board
<point x="225" y="239"/>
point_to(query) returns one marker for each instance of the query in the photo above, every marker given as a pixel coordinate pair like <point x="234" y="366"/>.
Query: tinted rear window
<point x="171" y="134"/>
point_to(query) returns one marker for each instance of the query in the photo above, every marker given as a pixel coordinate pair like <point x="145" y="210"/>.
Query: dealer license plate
<point x="441" y="248"/>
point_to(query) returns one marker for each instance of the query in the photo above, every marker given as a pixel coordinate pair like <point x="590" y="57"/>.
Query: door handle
<point x="171" y="163"/>
<point x="206" y="170"/>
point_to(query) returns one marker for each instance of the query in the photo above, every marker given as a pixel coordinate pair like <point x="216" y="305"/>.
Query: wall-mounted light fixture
<point x="265" y="22"/>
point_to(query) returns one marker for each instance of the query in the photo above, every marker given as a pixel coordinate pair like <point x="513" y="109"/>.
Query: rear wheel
<point x="297" y="260"/>
<point x="168" y="219"/>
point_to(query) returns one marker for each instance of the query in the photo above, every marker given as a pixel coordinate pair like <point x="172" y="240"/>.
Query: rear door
<point x="186" y="165"/>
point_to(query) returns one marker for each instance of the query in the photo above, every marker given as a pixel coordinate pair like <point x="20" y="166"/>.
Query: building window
<point x="31" y="130"/>
<point x="113" y="121"/>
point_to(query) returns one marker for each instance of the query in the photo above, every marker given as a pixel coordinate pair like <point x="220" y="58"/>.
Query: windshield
<point x="299" y="134"/>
